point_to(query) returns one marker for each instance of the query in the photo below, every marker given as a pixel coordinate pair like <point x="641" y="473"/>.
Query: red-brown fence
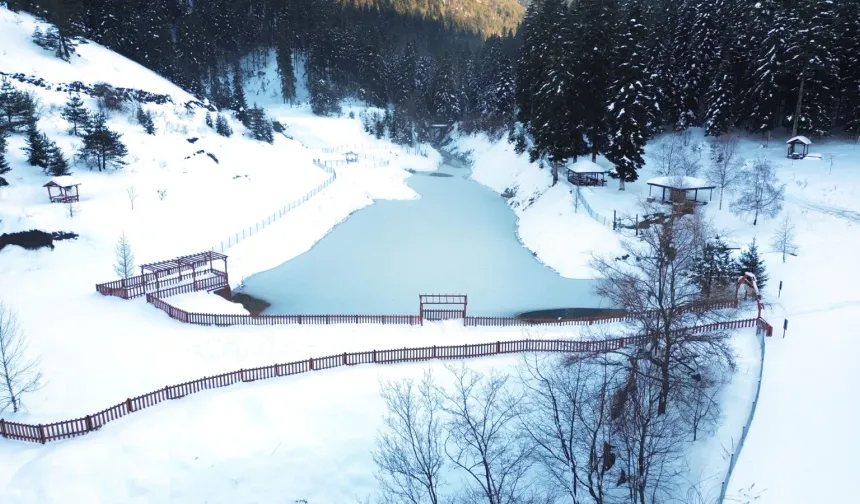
<point x="43" y="433"/>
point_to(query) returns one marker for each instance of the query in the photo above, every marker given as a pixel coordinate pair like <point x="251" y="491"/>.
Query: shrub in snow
<point x="109" y="97"/>
<point x="54" y="40"/>
<point x="714" y="269"/>
<point x="209" y="120"/>
<point x="783" y="238"/>
<point x="162" y="193"/>
<point x="34" y="239"/>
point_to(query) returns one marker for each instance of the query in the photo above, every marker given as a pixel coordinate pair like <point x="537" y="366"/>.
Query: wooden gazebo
<point x="587" y="173"/>
<point x="798" y="147"/>
<point x="63" y="189"/>
<point x="680" y="187"/>
<point x="155" y="272"/>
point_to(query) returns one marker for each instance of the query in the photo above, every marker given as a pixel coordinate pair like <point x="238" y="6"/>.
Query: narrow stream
<point x="458" y="238"/>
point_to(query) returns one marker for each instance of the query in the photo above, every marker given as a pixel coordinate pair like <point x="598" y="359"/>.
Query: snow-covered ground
<point x="801" y="440"/>
<point x="279" y="440"/>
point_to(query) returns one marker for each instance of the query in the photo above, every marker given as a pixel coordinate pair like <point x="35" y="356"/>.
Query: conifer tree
<point x="57" y="164"/>
<point x="239" y="105"/>
<point x="627" y="113"/>
<point x="37" y="146"/>
<point x="102" y="147"/>
<point x="260" y="126"/>
<point x="222" y="127"/>
<point x="4" y="163"/>
<point x="144" y="117"/>
<point x="751" y="262"/>
<point x="208" y="120"/>
<point x="764" y="98"/>
<point x="713" y="268"/>
<point x="285" y="69"/>
<point x="75" y="113"/>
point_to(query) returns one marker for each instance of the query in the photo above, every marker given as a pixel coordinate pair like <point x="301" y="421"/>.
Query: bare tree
<point x="132" y="195"/>
<point x="831" y="158"/>
<point x="19" y="374"/>
<point x="726" y="163"/>
<point x="408" y="453"/>
<point x="669" y="155"/>
<point x="482" y="438"/>
<point x="699" y="408"/>
<point x="124" y="266"/>
<point x="550" y="419"/>
<point x="650" y="444"/>
<point x="761" y="193"/>
<point x="783" y="238"/>
<point x="71" y="209"/>
<point x="655" y="285"/>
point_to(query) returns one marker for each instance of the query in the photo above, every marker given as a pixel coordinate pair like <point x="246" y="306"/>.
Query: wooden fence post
<point x="42" y="434"/>
<point x="344" y="358"/>
<point x="89" y="423"/>
<point x="128" y="406"/>
<point x="374" y="356"/>
<point x="3" y="427"/>
<point x="311" y="362"/>
<point x="498" y="347"/>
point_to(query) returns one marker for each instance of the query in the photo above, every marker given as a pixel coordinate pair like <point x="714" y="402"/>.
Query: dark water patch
<point x="570" y="313"/>
<point x="255" y="306"/>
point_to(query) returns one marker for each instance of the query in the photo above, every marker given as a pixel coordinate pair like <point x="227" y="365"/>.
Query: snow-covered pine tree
<point x="239" y="105"/>
<point x="285" y="68"/>
<point x="102" y="147"/>
<point x="812" y="66"/>
<point x="4" y="163"/>
<point x="849" y="64"/>
<point x="17" y="108"/>
<point x="75" y="113"/>
<point x="57" y="164"/>
<point x="144" y="118"/>
<point x="769" y="31"/>
<point x="404" y="80"/>
<point x="530" y="64"/>
<point x="714" y="269"/>
<point x="445" y="95"/>
<point x="627" y="112"/>
<point x="594" y="34"/>
<point x="682" y="90"/>
<point x="720" y="99"/>
<point x="222" y="127"/>
<point x="208" y="120"/>
<point x="552" y="125"/>
<point x="37" y="146"/>
<point x="260" y="125"/>
<point x="751" y="262"/>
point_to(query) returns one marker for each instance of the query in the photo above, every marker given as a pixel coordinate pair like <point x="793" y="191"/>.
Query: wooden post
<point x="498" y="347"/>
<point x="344" y="358"/>
<point x="128" y="406"/>
<point x="374" y="356"/>
<point x="42" y="438"/>
<point x="89" y="423"/>
<point x="3" y="428"/>
<point x="311" y="362"/>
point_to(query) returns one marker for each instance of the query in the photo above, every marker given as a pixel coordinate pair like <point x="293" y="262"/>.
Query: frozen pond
<point x="458" y="238"/>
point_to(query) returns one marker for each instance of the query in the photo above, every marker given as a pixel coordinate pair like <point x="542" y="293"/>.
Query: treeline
<point x="493" y="17"/>
<point x="601" y="76"/>
<point x="431" y="72"/>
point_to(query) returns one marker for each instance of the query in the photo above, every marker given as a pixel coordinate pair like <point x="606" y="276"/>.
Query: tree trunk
<point x="721" y="199"/>
<point x="799" y="104"/>
<point x="554" y="172"/>
<point x="621" y="183"/>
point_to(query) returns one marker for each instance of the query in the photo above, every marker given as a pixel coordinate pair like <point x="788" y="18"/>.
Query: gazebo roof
<point x="62" y="181"/>
<point x="586" y="166"/>
<point x="799" y="139"/>
<point x="681" y="183"/>
<point x="189" y="260"/>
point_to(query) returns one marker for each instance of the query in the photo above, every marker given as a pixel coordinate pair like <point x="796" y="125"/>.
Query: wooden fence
<point x="43" y="433"/>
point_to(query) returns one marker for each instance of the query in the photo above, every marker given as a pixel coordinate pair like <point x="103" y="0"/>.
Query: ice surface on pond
<point x="458" y="238"/>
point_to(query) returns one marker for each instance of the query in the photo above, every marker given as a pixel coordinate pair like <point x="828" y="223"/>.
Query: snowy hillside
<point x="802" y="418"/>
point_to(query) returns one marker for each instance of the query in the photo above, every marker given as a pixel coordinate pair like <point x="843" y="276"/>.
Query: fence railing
<point x="43" y="433"/>
<point x="267" y="221"/>
<point x="580" y="202"/>
<point x="764" y="329"/>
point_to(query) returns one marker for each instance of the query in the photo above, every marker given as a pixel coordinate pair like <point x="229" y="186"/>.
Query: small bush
<point x="34" y="239"/>
<point x="109" y="97"/>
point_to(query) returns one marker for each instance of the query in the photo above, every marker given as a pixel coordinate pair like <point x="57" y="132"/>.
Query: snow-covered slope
<point x="801" y="444"/>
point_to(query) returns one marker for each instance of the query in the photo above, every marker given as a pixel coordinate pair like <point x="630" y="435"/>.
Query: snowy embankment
<point x="548" y="222"/>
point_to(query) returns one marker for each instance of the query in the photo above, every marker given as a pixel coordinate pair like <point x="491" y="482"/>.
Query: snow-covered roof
<point x="799" y="138"/>
<point x="681" y="182"/>
<point x="63" y="181"/>
<point x="586" y="166"/>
